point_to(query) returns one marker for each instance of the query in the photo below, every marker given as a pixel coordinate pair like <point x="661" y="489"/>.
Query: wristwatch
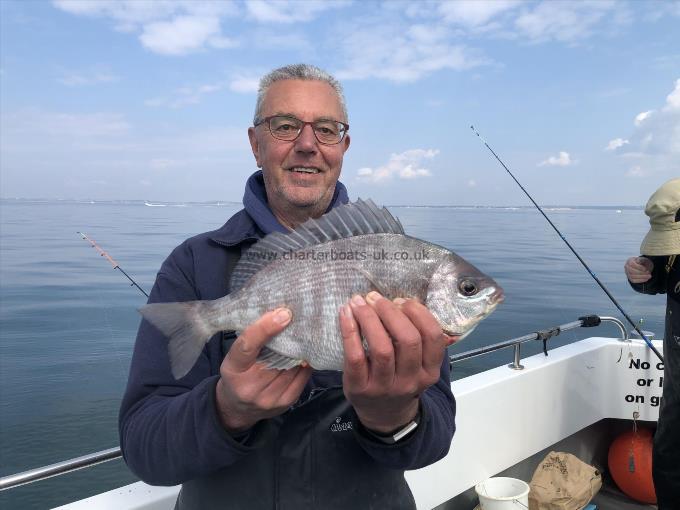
<point x="400" y="434"/>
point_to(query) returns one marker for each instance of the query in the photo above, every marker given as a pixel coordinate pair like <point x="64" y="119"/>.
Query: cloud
<point x="640" y="117"/>
<point x="562" y="159"/>
<point x="244" y="84"/>
<point x="615" y="144"/>
<point x="403" y="54"/>
<point x="662" y="10"/>
<point x="666" y="61"/>
<point x="181" y="27"/>
<point x="92" y="76"/>
<point x="657" y="132"/>
<point x="289" y="11"/>
<point x="406" y="165"/>
<point x="132" y="15"/>
<point x="614" y="92"/>
<point x="64" y="125"/>
<point x="266" y="39"/>
<point x="241" y="83"/>
<point x="637" y="171"/>
<point x="408" y="42"/>
<point x="473" y="13"/>
<point x="654" y="144"/>
<point x="184" y="34"/>
<point x="568" y="22"/>
<point x="538" y="21"/>
<point x="673" y="99"/>
<point x="185" y="96"/>
<point x="165" y="27"/>
<point x="395" y="41"/>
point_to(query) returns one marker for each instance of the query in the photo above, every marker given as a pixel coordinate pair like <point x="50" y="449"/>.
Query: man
<point x="237" y="435"/>
<point x="658" y="271"/>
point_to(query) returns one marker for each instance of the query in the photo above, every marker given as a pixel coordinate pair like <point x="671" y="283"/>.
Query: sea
<point x="68" y="318"/>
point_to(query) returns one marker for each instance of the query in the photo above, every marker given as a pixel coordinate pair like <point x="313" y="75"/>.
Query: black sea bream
<point x="313" y="271"/>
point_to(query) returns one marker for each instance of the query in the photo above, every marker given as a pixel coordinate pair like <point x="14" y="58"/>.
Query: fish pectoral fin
<point x="379" y="286"/>
<point x="271" y="359"/>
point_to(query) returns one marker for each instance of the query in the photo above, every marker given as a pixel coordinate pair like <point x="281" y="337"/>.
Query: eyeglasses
<point x="288" y="128"/>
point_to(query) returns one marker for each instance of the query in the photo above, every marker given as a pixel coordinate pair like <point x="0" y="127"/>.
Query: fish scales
<point x="315" y="279"/>
<point x="312" y="336"/>
<point x="401" y="278"/>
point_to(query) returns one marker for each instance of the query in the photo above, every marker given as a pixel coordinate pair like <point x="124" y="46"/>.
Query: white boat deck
<point x="503" y="416"/>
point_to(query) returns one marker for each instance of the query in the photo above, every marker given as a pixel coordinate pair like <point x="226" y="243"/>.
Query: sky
<point x="151" y="100"/>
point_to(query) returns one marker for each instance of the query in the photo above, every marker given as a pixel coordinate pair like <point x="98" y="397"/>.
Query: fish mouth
<point x="493" y="298"/>
<point x="450" y="338"/>
<point x="497" y="297"/>
<point x="304" y="170"/>
<point x="456" y="336"/>
<point x="492" y="306"/>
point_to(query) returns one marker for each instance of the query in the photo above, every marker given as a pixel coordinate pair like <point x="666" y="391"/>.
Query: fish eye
<point x="467" y="288"/>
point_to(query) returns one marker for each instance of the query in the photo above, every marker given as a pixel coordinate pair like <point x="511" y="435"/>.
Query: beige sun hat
<point x="663" y="209"/>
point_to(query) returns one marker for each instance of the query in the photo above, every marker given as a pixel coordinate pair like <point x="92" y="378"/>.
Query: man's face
<point x="288" y="189"/>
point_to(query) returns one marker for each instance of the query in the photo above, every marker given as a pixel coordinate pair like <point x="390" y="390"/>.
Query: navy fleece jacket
<point x="169" y="429"/>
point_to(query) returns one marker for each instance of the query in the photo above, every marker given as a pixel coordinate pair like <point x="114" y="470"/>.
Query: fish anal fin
<point x="274" y="360"/>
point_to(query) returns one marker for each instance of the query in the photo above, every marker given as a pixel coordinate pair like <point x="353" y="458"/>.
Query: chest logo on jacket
<point x="341" y="426"/>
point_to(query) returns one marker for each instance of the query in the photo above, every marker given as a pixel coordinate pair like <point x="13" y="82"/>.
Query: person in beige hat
<point x="656" y="271"/>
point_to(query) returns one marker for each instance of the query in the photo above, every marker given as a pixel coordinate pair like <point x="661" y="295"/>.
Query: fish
<point x="315" y="269"/>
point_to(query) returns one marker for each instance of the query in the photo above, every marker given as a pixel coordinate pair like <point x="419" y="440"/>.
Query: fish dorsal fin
<point x="349" y="220"/>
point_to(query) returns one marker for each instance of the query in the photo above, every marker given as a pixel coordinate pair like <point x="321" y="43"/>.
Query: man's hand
<point x="638" y="269"/>
<point x="247" y="392"/>
<point x="406" y="346"/>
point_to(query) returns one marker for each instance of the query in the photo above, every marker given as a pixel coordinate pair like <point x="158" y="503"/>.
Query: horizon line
<point x="232" y="202"/>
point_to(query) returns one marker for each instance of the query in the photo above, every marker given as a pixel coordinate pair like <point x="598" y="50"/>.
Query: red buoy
<point x="630" y="464"/>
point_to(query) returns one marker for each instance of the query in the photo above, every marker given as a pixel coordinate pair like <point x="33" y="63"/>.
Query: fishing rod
<point x="113" y="262"/>
<point x="635" y="326"/>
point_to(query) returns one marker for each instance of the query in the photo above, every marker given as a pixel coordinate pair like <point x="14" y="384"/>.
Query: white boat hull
<point x="503" y="416"/>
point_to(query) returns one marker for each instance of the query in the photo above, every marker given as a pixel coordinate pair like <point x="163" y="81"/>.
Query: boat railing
<point x="92" y="459"/>
<point x="59" y="468"/>
<point x="543" y="335"/>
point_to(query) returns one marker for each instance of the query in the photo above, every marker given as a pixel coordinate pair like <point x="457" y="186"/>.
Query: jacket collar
<point x="257" y="220"/>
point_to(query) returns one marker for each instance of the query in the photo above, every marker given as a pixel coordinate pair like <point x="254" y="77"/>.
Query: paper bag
<point x="563" y="482"/>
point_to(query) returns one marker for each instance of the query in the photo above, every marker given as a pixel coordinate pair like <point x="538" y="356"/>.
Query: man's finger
<point x="646" y="263"/>
<point x="356" y="364"/>
<point x="640" y="278"/>
<point x="380" y="348"/>
<point x="406" y="336"/>
<point x="639" y="268"/>
<point x="246" y="347"/>
<point x="434" y="340"/>
<point x="277" y="386"/>
<point x="295" y="387"/>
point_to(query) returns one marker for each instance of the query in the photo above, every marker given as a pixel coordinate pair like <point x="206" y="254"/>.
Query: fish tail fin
<point x="187" y="325"/>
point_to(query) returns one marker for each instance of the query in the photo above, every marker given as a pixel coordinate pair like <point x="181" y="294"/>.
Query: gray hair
<point x="297" y="72"/>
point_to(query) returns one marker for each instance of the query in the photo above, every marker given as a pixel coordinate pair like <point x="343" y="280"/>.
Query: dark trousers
<point x="666" y="453"/>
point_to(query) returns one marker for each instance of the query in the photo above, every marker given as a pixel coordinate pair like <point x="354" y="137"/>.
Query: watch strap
<point x="395" y="437"/>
